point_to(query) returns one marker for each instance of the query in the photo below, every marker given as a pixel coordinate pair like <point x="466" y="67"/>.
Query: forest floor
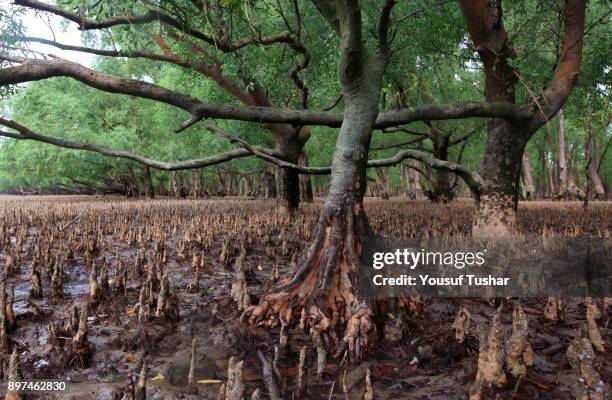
<point x="427" y="363"/>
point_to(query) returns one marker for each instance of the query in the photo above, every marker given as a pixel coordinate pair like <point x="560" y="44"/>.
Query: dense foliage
<point x="433" y="63"/>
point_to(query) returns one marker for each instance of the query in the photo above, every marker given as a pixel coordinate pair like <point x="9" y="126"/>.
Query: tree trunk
<point x="305" y="180"/>
<point x="563" y="175"/>
<point x="147" y="182"/>
<point x="528" y="178"/>
<point x="322" y="286"/>
<point x="554" y="170"/>
<point x="287" y="180"/>
<point x="267" y="182"/>
<point x="402" y="179"/>
<point x="496" y="204"/>
<point x="321" y="292"/>
<point x="415" y="184"/>
<point x="495" y="213"/>
<point x="542" y="177"/>
<point x="383" y="181"/>
<point x="597" y="184"/>
<point x="552" y="190"/>
<point x="442" y="191"/>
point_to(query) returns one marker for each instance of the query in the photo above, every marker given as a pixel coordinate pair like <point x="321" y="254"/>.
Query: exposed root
<point x="588" y="384"/>
<point x="369" y="390"/>
<point x="4" y="326"/>
<point x="191" y="380"/>
<point x="36" y="287"/>
<point x="461" y="325"/>
<point x="95" y="291"/>
<point x="11" y="322"/>
<point x="320" y="295"/>
<point x="14" y="375"/>
<point x="269" y="377"/>
<point x="490" y="360"/>
<point x="302" y="382"/>
<point x="80" y="353"/>
<point x="239" y="290"/>
<point x="592" y="314"/>
<point x="144" y="312"/>
<point x="321" y="359"/>
<point x="167" y="301"/>
<point x="225" y="253"/>
<point x="141" y="387"/>
<point x="56" y="281"/>
<point x="552" y="311"/>
<point x="194" y="286"/>
<point x="519" y="354"/>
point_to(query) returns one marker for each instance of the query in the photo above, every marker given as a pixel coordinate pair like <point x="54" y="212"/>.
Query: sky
<point x="45" y="25"/>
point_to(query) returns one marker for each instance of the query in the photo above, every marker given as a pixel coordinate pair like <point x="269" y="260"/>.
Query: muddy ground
<point x="428" y="363"/>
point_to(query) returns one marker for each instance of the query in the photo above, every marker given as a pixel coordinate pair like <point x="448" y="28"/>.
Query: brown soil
<point x="428" y="363"/>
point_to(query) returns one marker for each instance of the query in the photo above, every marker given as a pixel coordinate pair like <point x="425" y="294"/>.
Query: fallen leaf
<point x="157" y="377"/>
<point x="209" y="381"/>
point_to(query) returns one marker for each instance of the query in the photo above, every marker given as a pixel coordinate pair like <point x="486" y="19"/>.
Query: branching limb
<point x="566" y="73"/>
<point x="472" y="179"/>
<point x="406" y="130"/>
<point x="24" y="133"/>
<point x="267" y="156"/>
<point x="155" y="16"/>
<point x="383" y="28"/>
<point x="98" y="52"/>
<point x="465" y="136"/>
<point x="333" y="103"/>
<point x="400" y="144"/>
<point x="34" y="69"/>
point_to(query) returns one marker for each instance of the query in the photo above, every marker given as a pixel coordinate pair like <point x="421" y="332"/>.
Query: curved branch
<point x="99" y="52"/>
<point x="35" y="69"/>
<point x="383" y="28"/>
<point x="24" y="133"/>
<point x="388" y="119"/>
<point x="566" y="73"/>
<point x="400" y="144"/>
<point x="472" y="179"/>
<point x="267" y="156"/>
<point x="465" y="136"/>
<point x="333" y="103"/>
<point x="153" y="16"/>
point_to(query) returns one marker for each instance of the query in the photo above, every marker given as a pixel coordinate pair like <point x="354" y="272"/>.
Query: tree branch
<point x="566" y="73"/>
<point x="383" y="28"/>
<point x="267" y="156"/>
<point x="391" y="146"/>
<point x="472" y="179"/>
<point x="153" y="16"/>
<point x="35" y="69"/>
<point x="24" y="133"/>
<point x="465" y="136"/>
<point x="99" y="52"/>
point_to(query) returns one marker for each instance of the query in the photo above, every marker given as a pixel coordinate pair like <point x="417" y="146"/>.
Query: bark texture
<point x="496" y="202"/>
<point x="321" y="293"/>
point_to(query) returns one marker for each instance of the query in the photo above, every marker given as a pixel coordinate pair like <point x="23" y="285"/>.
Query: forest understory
<point x="198" y="243"/>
